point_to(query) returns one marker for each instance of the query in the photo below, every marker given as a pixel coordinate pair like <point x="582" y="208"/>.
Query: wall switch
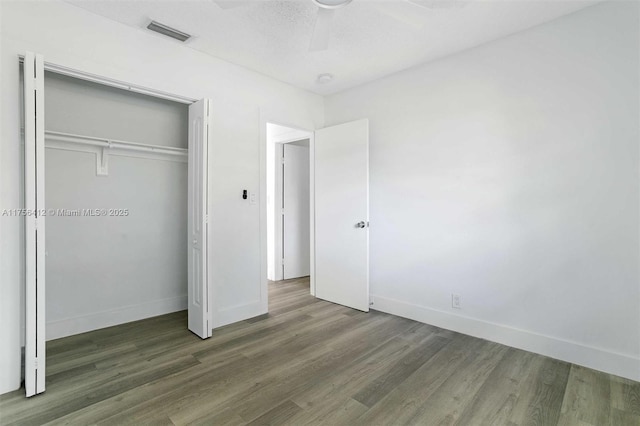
<point x="252" y="197"/>
<point x="455" y="301"/>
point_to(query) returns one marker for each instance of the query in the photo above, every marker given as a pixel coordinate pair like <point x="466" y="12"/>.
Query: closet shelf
<point x="103" y="148"/>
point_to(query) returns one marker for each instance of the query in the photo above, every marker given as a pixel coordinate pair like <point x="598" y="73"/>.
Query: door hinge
<point x="283" y="260"/>
<point x="282" y="160"/>
<point x="282" y="211"/>
<point x="206" y="218"/>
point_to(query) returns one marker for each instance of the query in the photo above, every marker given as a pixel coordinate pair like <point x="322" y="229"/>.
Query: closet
<point x="116" y="200"/>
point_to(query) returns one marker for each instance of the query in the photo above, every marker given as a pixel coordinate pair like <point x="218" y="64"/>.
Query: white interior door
<point x="296" y="210"/>
<point x="35" y="357"/>
<point x="342" y="214"/>
<point x="198" y="292"/>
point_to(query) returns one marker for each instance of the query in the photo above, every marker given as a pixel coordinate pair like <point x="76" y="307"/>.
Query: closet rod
<point x="112" y="143"/>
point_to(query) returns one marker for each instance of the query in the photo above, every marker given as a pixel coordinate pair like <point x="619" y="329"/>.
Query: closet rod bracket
<point x="102" y="160"/>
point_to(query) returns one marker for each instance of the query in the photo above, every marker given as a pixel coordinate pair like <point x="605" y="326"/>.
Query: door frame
<point x="30" y="326"/>
<point x="270" y="118"/>
<point x="112" y="82"/>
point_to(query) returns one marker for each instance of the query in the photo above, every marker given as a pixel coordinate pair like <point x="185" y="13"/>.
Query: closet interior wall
<point x="106" y="270"/>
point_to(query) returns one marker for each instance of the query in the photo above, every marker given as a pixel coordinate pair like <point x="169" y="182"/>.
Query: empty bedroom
<point x="338" y="212"/>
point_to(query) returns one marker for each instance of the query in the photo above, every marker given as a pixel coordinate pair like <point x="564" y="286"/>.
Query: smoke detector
<point x="324" y="78"/>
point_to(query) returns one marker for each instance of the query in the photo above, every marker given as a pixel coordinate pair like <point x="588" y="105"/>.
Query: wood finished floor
<point x="312" y="362"/>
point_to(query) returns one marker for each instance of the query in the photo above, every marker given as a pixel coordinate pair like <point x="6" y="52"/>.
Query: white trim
<point x="97" y="320"/>
<point x="296" y="139"/>
<point x="237" y="313"/>
<point x="82" y="75"/>
<point x="312" y="212"/>
<point x="597" y="358"/>
<point x="278" y="182"/>
<point x="263" y="279"/>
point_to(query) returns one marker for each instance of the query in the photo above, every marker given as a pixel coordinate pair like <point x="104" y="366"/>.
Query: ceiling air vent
<point x="168" y="31"/>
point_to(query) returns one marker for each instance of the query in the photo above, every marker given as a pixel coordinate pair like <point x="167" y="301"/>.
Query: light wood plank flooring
<point x="312" y="362"/>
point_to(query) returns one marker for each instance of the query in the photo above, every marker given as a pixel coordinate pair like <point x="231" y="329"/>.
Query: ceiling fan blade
<point x="394" y="10"/>
<point x="321" y="30"/>
<point x="439" y="4"/>
<point x="230" y="4"/>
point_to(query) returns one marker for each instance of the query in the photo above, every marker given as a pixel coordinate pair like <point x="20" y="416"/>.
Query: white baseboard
<point x="599" y="359"/>
<point x="233" y="314"/>
<point x="97" y="320"/>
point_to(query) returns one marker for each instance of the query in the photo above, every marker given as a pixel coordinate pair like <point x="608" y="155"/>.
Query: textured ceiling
<point x="369" y="38"/>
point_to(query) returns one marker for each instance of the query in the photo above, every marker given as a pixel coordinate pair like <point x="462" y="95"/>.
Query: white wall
<point x="69" y="36"/>
<point x="509" y="174"/>
<point x="107" y="270"/>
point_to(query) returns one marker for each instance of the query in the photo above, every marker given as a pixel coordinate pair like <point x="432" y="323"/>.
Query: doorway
<point x="289" y="190"/>
<point x="338" y="209"/>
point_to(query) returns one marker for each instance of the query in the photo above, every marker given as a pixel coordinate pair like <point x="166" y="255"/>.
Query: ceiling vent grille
<point x="168" y="31"/>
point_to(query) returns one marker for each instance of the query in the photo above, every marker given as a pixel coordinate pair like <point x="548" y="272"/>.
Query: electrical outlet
<point x="455" y="301"/>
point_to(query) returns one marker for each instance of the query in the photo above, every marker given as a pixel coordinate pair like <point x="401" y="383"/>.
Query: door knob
<point x="361" y="224"/>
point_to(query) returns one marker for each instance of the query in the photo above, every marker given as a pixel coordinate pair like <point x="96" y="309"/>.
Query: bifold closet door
<point x="197" y="271"/>
<point x="35" y="356"/>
